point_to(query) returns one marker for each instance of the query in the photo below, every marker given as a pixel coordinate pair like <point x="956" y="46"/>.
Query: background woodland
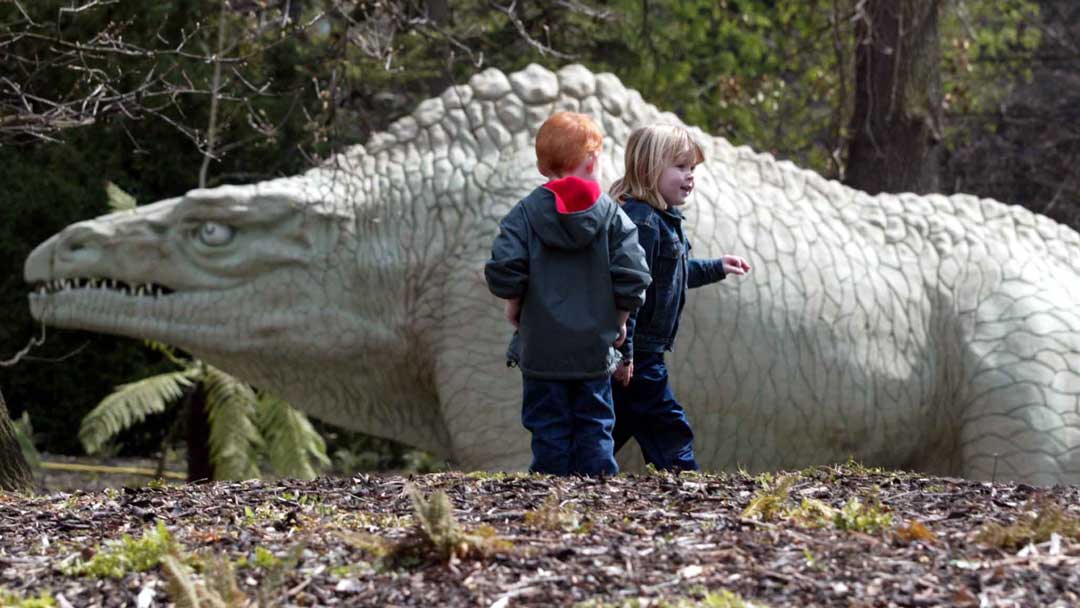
<point x="158" y="97"/>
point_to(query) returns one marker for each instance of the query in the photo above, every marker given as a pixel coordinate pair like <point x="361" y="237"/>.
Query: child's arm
<point x="625" y="371"/>
<point x="622" y="316"/>
<point x="633" y="251"/>
<point x="507" y="272"/>
<point x="704" y="272"/>
<point x="513" y="312"/>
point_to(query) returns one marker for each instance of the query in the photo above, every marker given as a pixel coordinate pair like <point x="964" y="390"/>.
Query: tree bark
<point x="438" y="11"/>
<point x="15" y="475"/>
<point x="198" y="436"/>
<point x="896" y="129"/>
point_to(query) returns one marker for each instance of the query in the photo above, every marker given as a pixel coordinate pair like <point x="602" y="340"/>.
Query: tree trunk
<point x="198" y="436"/>
<point x="438" y="11"/>
<point x="896" y="129"/>
<point x="15" y="475"/>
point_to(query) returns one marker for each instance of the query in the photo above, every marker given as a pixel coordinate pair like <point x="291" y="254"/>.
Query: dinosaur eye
<point x="215" y="234"/>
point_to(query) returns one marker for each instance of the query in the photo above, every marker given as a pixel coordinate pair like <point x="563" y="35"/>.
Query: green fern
<point x="24" y="434"/>
<point x="244" y="426"/>
<point x="292" y="444"/>
<point x="170" y="353"/>
<point x="234" y="437"/>
<point x="435" y="516"/>
<point x="219" y="589"/>
<point x="130" y="404"/>
<point x="118" y="199"/>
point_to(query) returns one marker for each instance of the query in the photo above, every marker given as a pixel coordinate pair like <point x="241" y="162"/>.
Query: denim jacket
<point x="652" y="328"/>
<point x="573" y="258"/>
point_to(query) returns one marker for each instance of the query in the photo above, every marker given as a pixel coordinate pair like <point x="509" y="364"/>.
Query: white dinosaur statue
<point x="936" y="333"/>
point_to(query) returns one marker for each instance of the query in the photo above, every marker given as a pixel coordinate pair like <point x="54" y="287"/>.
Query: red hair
<point x="564" y="141"/>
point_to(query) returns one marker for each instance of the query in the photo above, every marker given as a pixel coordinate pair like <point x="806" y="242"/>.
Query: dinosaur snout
<point x="70" y="253"/>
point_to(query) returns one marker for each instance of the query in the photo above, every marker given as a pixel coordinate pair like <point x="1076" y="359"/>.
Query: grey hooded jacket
<point x="573" y="257"/>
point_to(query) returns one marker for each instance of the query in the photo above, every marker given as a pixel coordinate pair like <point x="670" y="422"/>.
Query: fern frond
<point x="293" y="446"/>
<point x="221" y="585"/>
<point x="24" y="434"/>
<point x="234" y="438"/>
<point x="435" y="516"/>
<point x="131" y="403"/>
<point x="181" y="585"/>
<point x="118" y="199"/>
<point x="169" y="352"/>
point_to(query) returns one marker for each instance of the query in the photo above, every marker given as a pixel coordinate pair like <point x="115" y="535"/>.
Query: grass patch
<point x="14" y="600"/>
<point x="116" y="559"/>
<point x="710" y="599"/>
<point x="1040" y="520"/>
<point x="773" y="502"/>
<point x="556" y="515"/>
<point x="218" y="587"/>
<point x="436" y="536"/>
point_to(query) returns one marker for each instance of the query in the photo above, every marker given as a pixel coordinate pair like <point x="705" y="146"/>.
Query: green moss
<point x="773" y="502"/>
<point x="867" y="517"/>
<point x="553" y="515"/>
<point x="497" y="475"/>
<point x="1041" y="519"/>
<point x="709" y="599"/>
<point x="769" y="502"/>
<point x="119" y="558"/>
<point x="43" y="600"/>
<point x="264" y="558"/>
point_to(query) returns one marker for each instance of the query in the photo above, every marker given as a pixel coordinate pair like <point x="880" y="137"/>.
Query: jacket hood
<point x="568" y="213"/>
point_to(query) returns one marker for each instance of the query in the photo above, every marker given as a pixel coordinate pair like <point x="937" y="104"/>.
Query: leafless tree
<point x="896" y="128"/>
<point x="1031" y="156"/>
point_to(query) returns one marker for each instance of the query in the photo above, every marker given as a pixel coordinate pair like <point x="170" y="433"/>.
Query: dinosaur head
<point x="196" y="271"/>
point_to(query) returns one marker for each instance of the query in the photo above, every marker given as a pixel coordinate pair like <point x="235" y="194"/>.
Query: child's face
<point x="677" y="182"/>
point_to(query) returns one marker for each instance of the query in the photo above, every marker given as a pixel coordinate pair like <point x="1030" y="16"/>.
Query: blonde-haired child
<point x="660" y="161"/>
<point x="568" y="264"/>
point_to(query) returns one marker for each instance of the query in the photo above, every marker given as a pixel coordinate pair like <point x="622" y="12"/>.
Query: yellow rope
<point x="91" y="468"/>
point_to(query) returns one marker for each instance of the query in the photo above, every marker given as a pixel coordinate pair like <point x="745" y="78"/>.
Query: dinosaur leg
<point x="479" y="396"/>
<point x="1023" y="416"/>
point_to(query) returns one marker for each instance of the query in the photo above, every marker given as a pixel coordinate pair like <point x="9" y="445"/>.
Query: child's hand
<point x="513" y="312"/>
<point x="622" y="335"/>
<point x="623" y="372"/>
<point x="734" y="264"/>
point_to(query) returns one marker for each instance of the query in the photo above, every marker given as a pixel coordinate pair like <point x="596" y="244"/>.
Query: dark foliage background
<point x="130" y="103"/>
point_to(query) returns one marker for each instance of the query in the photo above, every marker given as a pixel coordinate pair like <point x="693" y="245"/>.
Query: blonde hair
<point x="649" y="151"/>
<point x="565" y="140"/>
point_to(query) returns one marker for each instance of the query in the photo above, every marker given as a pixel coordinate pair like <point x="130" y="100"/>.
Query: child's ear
<point x="591" y="162"/>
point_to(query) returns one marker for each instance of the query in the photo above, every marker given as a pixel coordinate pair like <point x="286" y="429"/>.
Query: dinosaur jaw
<point x="82" y="304"/>
<point x="151" y="311"/>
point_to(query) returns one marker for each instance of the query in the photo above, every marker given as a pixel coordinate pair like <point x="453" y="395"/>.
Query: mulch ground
<point x="656" y="539"/>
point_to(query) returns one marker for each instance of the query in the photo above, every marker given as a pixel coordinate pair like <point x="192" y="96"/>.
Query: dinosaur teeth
<point x="139" y="290"/>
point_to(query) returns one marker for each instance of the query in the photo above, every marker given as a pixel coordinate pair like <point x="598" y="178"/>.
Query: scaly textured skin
<point x="928" y="332"/>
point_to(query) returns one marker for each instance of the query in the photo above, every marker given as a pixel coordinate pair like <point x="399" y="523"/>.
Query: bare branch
<point x="511" y="15"/>
<point x="34" y="343"/>
<point x="215" y="90"/>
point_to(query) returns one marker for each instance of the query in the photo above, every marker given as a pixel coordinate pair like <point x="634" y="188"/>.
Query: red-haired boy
<point x="567" y="261"/>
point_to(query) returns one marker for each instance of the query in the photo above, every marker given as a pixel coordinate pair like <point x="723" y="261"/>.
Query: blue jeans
<point x="571" y="423"/>
<point x="647" y="411"/>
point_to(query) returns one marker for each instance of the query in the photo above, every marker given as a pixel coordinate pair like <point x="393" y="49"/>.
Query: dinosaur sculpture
<point x="933" y="333"/>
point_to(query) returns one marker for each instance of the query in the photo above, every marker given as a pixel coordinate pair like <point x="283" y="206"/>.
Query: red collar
<point x="573" y="194"/>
